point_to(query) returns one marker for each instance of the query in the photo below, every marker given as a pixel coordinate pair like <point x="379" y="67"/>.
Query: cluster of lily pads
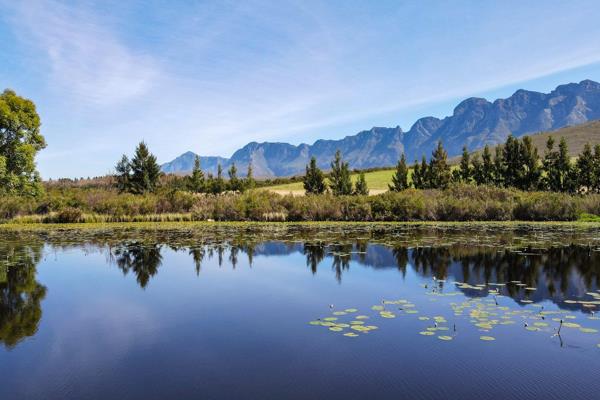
<point x="485" y="314"/>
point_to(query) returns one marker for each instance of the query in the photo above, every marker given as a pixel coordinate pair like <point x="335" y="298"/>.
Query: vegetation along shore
<point x="510" y="182"/>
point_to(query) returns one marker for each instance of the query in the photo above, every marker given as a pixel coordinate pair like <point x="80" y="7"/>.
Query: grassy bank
<point x="459" y="203"/>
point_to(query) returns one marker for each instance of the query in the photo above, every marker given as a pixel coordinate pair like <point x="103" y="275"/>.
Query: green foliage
<point x="341" y="185"/>
<point x="585" y="169"/>
<point x="235" y="184"/>
<point x="360" y="188"/>
<point x="314" y="181"/>
<point x="196" y="181"/>
<point x="559" y="176"/>
<point x="400" y="177"/>
<point x="250" y="183"/>
<point x="438" y="172"/>
<point x="20" y="141"/>
<point x="217" y="185"/>
<point x="141" y="174"/>
<point x="465" y="171"/>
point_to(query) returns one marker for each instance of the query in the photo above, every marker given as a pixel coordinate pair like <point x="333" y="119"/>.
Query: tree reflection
<point x="143" y="260"/>
<point x="20" y="294"/>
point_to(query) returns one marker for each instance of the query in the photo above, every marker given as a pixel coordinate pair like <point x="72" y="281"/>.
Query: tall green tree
<point x="465" y="172"/>
<point x="400" y="177"/>
<point x="585" y="169"/>
<point x="557" y="167"/>
<point x="20" y="141"/>
<point x="218" y="184"/>
<point x="341" y="183"/>
<point x="439" y="171"/>
<point x="499" y="166"/>
<point x="249" y="182"/>
<point x="314" y="181"/>
<point x="145" y="171"/>
<point x="197" y="182"/>
<point x="361" y="188"/>
<point x="530" y="175"/>
<point x="513" y="166"/>
<point x="235" y="184"/>
<point x="596" y="182"/>
<point x="123" y="174"/>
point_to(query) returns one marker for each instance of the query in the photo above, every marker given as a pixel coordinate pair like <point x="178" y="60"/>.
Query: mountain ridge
<point x="474" y="122"/>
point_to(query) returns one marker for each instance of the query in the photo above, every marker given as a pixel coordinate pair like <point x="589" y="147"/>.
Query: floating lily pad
<point x="377" y="308"/>
<point x="426" y="333"/>
<point x="487" y="338"/>
<point x="571" y="325"/>
<point x="339" y="313"/>
<point x="330" y="319"/>
<point x="351" y="334"/>
<point x="445" y="337"/>
<point x="361" y="317"/>
<point x="588" y="330"/>
<point x="336" y="329"/>
<point x="351" y="310"/>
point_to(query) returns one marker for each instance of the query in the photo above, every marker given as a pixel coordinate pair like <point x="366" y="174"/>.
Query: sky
<point x="211" y="76"/>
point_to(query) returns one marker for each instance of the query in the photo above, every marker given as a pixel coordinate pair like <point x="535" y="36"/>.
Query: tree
<point x="361" y="188"/>
<point x="250" y="183"/>
<point x="20" y="141"/>
<point x="585" y="169"/>
<point x="465" y="173"/>
<point x="558" y="168"/>
<point x="235" y="184"/>
<point x="529" y="178"/>
<point x="417" y="178"/>
<point x="123" y="175"/>
<point x="512" y="162"/>
<point x="197" y="182"/>
<point x="341" y="184"/>
<point x="145" y="171"/>
<point x="498" y="167"/>
<point x="218" y="183"/>
<point x="439" y="171"/>
<point x="314" y="182"/>
<point x="596" y="182"/>
<point x="400" y="177"/>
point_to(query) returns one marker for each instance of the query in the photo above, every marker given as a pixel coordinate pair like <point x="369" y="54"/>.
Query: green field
<point x="376" y="180"/>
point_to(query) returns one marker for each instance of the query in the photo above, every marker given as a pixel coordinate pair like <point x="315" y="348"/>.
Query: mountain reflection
<point x="20" y="294"/>
<point x="557" y="273"/>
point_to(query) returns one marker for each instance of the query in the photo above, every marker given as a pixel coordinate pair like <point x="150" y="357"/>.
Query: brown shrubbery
<point x="458" y="203"/>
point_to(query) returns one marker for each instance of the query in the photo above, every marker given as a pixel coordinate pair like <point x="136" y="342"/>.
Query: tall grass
<point x="458" y="203"/>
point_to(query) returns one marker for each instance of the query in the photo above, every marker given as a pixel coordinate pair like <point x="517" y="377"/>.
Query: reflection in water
<point x="141" y="259"/>
<point x="20" y="294"/>
<point x="556" y="273"/>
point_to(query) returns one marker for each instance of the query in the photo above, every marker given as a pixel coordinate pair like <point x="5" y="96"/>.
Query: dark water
<point x="226" y="314"/>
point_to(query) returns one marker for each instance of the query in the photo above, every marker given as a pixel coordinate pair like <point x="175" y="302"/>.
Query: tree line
<point x="515" y="164"/>
<point x="142" y="174"/>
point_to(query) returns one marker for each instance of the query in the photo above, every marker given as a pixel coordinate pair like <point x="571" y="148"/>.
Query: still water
<point x="300" y="313"/>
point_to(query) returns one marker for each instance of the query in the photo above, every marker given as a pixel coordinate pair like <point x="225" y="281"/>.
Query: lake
<point x="300" y="312"/>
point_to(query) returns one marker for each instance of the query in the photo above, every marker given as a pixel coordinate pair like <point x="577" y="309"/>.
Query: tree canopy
<point x="20" y="141"/>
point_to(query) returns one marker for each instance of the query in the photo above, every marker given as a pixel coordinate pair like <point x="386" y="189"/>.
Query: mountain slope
<point x="474" y="123"/>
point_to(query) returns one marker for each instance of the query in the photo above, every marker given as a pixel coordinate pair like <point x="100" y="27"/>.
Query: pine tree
<point x="498" y="170"/>
<point x="417" y="178"/>
<point x="235" y="184"/>
<point x="569" y="180"/>
<point x="477" y="168"/>
<point x="513" y="166"/>
<point x="250" y="183"/>
<point x="361" y="188"/>
<point x="558" y="168"/>
<point x="341" y="184"/>
<point x="531" y="173"/>
<point x="596" y="175"/>
<point x="218" y="184"/>
<point x="145" y="171"/>
<point x="585" y="169"/>
<point x="551" y="179"/>
<point x="123" y="174"/>
<point x="465" y="173"/>
<point x="197" y="183"/>
<point x="314" y="182"/>
<point x="400" y="177"/>
<point x="439" y="170"/>
<point x="487" y="167"/>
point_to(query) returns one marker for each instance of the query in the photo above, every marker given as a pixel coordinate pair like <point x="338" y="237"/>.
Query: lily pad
<point x="445" y="337"/>
<point x="487" y="338"/>
<point x="426" y="333"/>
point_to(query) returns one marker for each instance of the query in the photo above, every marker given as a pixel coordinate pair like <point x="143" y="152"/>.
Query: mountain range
<point x="475" y="122"/>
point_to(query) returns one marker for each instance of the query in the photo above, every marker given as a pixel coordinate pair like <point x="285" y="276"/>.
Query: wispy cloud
<point x="84" y="56"/>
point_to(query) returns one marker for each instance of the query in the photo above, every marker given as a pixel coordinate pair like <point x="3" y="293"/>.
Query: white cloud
<point x="85" y="57"/>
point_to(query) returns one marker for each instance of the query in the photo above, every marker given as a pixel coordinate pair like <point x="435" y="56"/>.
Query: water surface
<point x="297" y="313"/>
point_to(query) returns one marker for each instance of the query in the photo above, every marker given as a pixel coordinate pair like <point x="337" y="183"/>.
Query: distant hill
<point x="474" y="123"/>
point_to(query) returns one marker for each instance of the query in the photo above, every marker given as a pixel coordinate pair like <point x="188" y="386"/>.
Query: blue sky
<point x="210" y="76"/>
